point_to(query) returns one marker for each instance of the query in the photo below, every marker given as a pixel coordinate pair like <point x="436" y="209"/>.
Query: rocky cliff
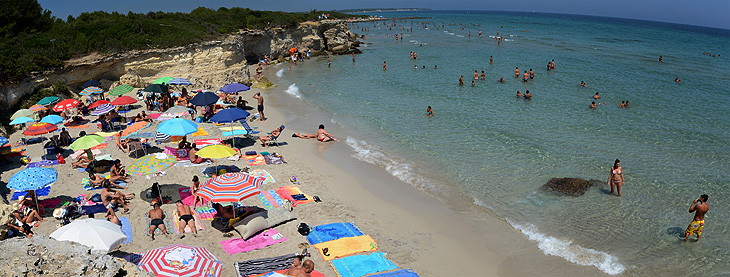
<point x="209" y="65"/>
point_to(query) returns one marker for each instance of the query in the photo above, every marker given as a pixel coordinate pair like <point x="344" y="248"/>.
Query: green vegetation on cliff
<point x="33" y="40"/>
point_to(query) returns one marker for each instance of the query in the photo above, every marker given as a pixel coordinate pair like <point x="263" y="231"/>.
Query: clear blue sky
<point x="711" y="13"/>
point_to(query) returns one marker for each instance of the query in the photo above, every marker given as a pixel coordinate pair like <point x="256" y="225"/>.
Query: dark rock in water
<point x="569" y="186"/>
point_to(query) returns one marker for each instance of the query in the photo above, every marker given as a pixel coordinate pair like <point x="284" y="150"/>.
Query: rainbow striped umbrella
<point x="91" y="90"/>
<point x="39" y="129"/>
<point x="231" y="187"/>
<point x="181" y="260"/>
<point x="150" y="164"/>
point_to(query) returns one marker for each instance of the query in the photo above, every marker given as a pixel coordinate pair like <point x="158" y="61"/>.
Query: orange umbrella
<point x="134" y="128"/>
<point x="39" y="129"/>
<point x="292" y="50"/>
<point x="36" y="108"/>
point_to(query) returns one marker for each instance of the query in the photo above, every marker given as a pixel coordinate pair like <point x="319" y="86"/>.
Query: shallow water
<point x="486" y="146"/>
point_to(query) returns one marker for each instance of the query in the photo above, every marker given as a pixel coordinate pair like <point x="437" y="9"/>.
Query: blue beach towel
<point x="94" y="209"/>
<point x="361" y="265"/>
<point x="235" y="133"/>
<point x="45" y="191"/>
<point x="126" y="228"/>
<point x="333" y="231"/>
<point x="397" y="273"/>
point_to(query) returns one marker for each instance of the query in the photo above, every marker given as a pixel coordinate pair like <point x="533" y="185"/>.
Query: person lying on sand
<point x="321" y="135"/>
<point x="156" y="215"/>
<point x="186" y="216"/>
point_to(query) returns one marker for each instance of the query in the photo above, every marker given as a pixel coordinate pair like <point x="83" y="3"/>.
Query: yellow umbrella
<point x="216" y="151"/>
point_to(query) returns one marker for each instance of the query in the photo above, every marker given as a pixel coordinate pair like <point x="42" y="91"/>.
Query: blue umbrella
<point x="91" y="83"/>
<point x="204" y="99"/>
<point x="235" y="87"/>
<point x="229" y="115"/>
<point x="3" y="141"/>
<point x="33" y="178"/>
<point x="21" y="120"/>
<point x="179" y="81"/>
<point x="53" y="119"/>
<point x="177" y="127"/>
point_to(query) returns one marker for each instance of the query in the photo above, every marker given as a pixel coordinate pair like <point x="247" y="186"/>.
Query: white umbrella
<point x="100" y="235"/>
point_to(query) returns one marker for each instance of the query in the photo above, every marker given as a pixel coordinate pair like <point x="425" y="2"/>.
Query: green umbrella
<point x="22" y="113"/>
<point x="87" y="142"/>
<point x="119" y="90"/>
<point x="48" y="100"/>
<point x="163" y="80"/>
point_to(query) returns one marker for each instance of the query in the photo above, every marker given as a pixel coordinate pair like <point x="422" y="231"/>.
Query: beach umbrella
<point x="179" y="81"/>
<point x="32" y="178"/>
<point x="181" y="260"/>
<point x="102" y="109"/>
<point x="91" y="90"/>
<point x="177" y="110"/>
<point x="216" y="151"/>
<point x="23" y="113"/>
<point x="234" y="87"/>
<point x="123" y="100"/>
<point x="21" y="120"/>
<point x="292" y="50"/>
<point x="230" y="187"/>
<point x="162" y="80"/>
<point x="229" y="115"/>
<point x="48" y="100"/>
<point x="3" y="141"/>
<point x="53" y="119"/>
<point x="119" y="90"/>
<point x="37" y="107"/>
<point x="91" y="83"/>
<point x="87" y="142"/>
<point x="204" y="98"/>
<point x="98" y="103"/>
<point x="156" y="88"/>
<point x="101" y="235"/>
<point x="39" y="129"/>
<point x="66" y="104"/>
<point x="177" y="127"/>
<point x="160" y="137"/>
<point x="135" y="128"/>
<point x="152" y="163"/>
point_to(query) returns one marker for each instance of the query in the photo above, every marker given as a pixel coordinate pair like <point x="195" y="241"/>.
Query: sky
<point x="710" y="13"/>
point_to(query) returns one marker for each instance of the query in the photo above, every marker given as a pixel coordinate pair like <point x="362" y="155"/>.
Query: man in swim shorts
<point x="186" y="216"/>
<point x="700" y="208"/>
<point x="260" y="106"/>
<point x="157" y="215"/>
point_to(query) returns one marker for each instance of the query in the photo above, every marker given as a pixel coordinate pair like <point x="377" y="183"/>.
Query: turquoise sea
<point x="486" y="146"/>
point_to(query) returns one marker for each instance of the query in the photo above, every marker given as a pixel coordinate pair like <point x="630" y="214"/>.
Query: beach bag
<point x="60" y="158"/>
<point x="303" y="229"/>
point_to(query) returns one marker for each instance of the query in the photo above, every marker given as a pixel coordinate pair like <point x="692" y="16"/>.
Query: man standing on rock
<point x="260" y="106"/>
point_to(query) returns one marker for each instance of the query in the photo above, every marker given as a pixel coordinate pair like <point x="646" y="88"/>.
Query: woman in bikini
<point x="616" y="177"/>
<point x="194" y="188"/>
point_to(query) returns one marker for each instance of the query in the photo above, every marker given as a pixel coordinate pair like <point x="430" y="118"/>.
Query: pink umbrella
<point x="181" y="260"/>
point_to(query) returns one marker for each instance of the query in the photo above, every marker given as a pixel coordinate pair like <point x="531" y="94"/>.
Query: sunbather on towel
<point x="25" y="215"/>
<point x="186" y="216"/>
<point x="123" y="144"/>
<point x="193" y="157"/>
<point x="118" y="172"/>
<point x="157" y="217"/>
<point x="111" y="198"/>
<point x="304" y="271"/>
<point x="229" y="217"/>
<point x="97" y="181"/>
<point x="83" y="161"/>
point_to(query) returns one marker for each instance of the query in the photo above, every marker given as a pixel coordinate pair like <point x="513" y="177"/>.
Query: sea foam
<point x="569" y="251"/>
<point x="398" y="168"/>
<point x="280" y="73"/>
<point x="293" y="90"/>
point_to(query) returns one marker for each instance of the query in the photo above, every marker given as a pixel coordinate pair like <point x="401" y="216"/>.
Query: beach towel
<point x="78" y="153"/>
<point x="234" y="133"/>
<point x="274" y="158"/>
<point x="200" y="132"/>
<point x="45" y="191"/>
<point x="270" y="199"/>
<point x="87" y="185"/>
<point x="49" y="203"/>
<point x="262" y="173"/>
<point x="333" y="231"/>
<point x="257" y="159"/>
<point x="94" y="209"/>
<point x="42" y="163"/>
<point x="187" y="197"/>
<point x="208" y="171"/>
<point x="100" y="146"/>
<point x="78" y="126"/>
<point x="176" y="222"/>
<point x="260" y="240"/>
<point x="126" y="228"/>
<point x="142" y="135"/>
<point x="264" y="265"/>
<point x="314" y="273"/>
<point x="397" y="273"/>
<point x="206" y="213"/>
<point x="188" y="163"/>
<point x="155" y="115"/>
<point x="294" y="194"/>
<point x="346" y="246"/>
<point x="361" y="265"/>
<point x="106" y="134"/>
<point x="107" y="157"/>
<point x="166" y="220"/>
<point x="200" y="143"/>
<point x="231" y="128"/>
<point x="180" y="154"/>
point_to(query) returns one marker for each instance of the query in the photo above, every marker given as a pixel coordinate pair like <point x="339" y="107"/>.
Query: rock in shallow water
<point x="569" y="186"/>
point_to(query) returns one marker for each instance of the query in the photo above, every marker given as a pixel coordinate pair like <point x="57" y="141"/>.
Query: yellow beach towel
<point x="200" y="132"/>
<point x="231" y="128"/>
<point x="176" y="222"/>
<point x="346" y="246"/>
<point x="106" y="134"/>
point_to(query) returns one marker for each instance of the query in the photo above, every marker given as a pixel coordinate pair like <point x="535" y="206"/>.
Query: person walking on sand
<point x="157" y="217"/>
<point x="700" y="208"/>
<point x="186" y="216"/>
<point x="616" y="177"/>
<point x="260" y="106"/>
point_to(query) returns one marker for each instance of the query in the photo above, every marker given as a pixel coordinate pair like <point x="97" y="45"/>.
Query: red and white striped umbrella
<point x="181" y="260"/>
<point x="231" y="187"/>
<point x="65" y="105"/>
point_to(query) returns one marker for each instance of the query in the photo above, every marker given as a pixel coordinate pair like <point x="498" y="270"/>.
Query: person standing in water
<point x="616" y="177"/>
<point x="461" y="81"/>
<point x="700" y="208"/>
<point x="429" y="111"/>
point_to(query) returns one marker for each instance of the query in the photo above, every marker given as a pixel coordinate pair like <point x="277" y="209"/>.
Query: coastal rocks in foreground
<point x="43" y="256"/>
<point x="569" y="186"/>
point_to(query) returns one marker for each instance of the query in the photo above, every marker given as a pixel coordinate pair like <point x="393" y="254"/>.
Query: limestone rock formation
<point x="569" y="186"/>
<point x="6" y="213"/>
<point x="43" y="256"/>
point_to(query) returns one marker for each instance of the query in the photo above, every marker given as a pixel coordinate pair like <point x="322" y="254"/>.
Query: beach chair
<point x="249" y="131"/>
<point x="274" y="138"/>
